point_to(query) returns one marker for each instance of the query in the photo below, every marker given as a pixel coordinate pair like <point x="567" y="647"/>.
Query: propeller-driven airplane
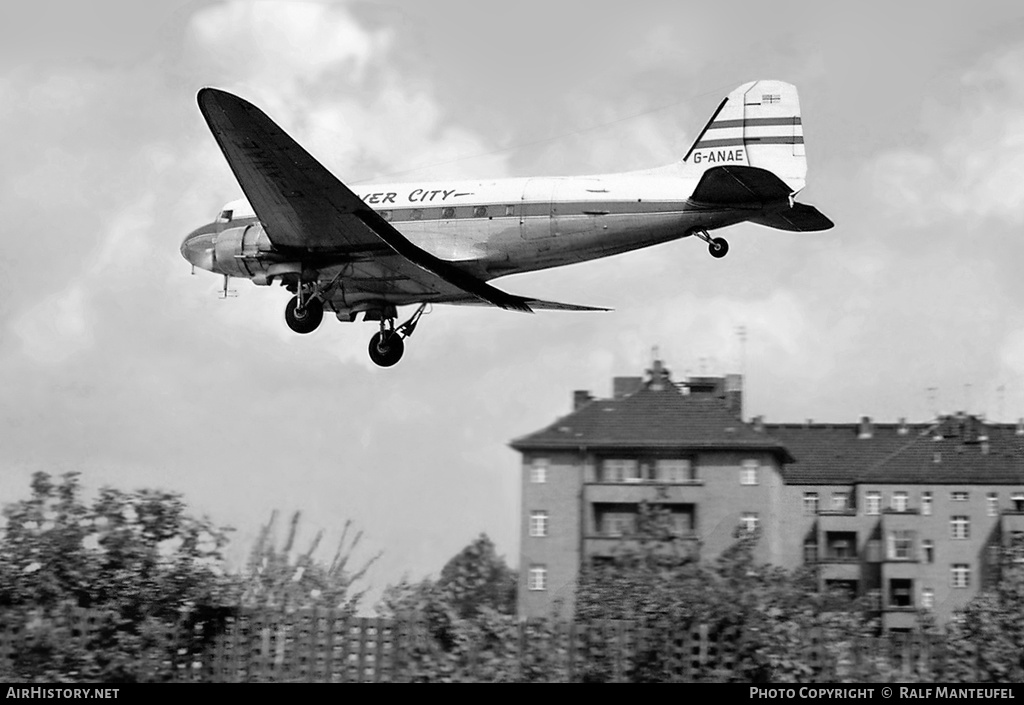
<point x="416" y="243"/>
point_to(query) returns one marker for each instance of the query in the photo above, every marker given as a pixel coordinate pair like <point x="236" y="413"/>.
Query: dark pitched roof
<point x="955" y="451"/>
<point x="656" y="416"/>
<point x="969" y="452"/>
<point x="834" y="453"/>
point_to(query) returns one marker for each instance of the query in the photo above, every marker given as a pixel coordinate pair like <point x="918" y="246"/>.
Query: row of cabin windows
<point x="448" y="212"/>
<point x="900" y="502"/>
<point x="660" y="470"/>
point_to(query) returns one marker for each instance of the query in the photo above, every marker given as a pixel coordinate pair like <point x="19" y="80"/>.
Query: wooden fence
<point x="320" y="646"/>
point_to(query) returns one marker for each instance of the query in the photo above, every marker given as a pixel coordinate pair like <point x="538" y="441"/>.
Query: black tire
<point x="386" y="351"/>
<point x="308" y="319"/>
<point x="718" y="247"/>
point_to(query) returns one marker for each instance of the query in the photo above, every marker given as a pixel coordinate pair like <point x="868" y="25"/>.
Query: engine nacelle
<point x="242" y="251"/>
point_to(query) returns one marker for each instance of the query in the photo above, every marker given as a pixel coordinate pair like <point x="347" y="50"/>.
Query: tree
<point x="468" y="614"/>
<point x="153" y="573"/>
<point x="275" y="578"/>
<point x="986" y="640"/>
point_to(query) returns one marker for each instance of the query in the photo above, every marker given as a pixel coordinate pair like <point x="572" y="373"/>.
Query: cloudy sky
<point x="116" y="362"/>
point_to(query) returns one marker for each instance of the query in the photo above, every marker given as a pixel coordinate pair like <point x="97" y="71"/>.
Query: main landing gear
<point x="387" y="346"/>
<point x="717" y="246"/>
<point x="304" y="311"/>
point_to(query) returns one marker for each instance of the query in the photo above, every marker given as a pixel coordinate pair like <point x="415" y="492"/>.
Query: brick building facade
<point x="912" y="512"/>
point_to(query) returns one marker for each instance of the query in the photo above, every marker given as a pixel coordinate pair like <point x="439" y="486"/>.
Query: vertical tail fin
<point x="757" y="125"/>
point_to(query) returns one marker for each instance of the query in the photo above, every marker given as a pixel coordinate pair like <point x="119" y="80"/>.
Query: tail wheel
<point x="305" y="319"/>
<point x="386" y="348"/>
<point x="718" y="247"/>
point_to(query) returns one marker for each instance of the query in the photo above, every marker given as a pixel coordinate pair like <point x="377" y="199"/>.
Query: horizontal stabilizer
<point x="727" y="185"/>
<point x="800" y="218"/>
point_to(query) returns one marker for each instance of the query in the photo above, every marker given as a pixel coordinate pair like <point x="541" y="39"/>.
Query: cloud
<point x="971" y="165"/>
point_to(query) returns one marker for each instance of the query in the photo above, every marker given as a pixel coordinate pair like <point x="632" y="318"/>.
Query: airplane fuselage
<point x="494" y="228"/>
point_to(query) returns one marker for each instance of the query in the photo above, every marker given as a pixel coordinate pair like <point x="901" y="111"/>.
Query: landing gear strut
<point x="717" y="246"/>
<point x="304" y="311"/>
<point x="387" y="346"/>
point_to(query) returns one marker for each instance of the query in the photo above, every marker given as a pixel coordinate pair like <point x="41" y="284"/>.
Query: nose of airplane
<point x="197" y="247"/>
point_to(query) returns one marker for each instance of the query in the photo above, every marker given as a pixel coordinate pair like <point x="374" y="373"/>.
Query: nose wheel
<point x="388" y="345"/>
<point x="717" y="246"/>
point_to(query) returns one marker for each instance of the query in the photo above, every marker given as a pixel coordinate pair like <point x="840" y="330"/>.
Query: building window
<point x="961" y="575"/>
<point x="810" y="502"/>
<point x="901" y="545"/>
<point x="748" y="520"/>
<point x="1018" y="501"/>
<point x="840" y="501"/>
<point x="960" y="527"/>
<point x="676" y="470"/>
<point x="901" y="592"/>
<point x="872" y="502"/>
<point x="618" y="524"/>
<point x="926" y="503"/>
<point x="480" y="211"/>
<point x="538" y="524"/>
<point x="748" y="473"/>
<point x="993" y="504"/>
<point x="539" y="471"/>
<point x="958" y="496"/>
<point x="927" y="598"/>
<point x="810" y="552"/>
<point x="841" y="545"/>
<point x="899" y="501"/>
<point x="621" y="470"/>
<point x="538" y="578"/>
<point x="928" y="549"/>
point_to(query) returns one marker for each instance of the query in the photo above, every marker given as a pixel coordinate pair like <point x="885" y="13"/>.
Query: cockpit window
<point x="225" y="216"/>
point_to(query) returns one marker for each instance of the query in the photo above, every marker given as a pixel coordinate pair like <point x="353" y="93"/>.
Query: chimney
<point x="758" y="422"/>
<point x="580" y="398"/>
<point x="983" y="439"/>
<point x="865" y="428"/>
<point x="624" y="386"/>
<point x="660" y="378"/>
<point x="903" y="430"/>
<point x="1020" y="427"/>
<point x="734" y="395"/>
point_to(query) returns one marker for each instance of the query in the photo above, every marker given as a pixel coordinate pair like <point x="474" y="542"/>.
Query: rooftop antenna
<point x="1001" y="390"/>
<point x="932" y="391"/>
<point x="741" y="333"/>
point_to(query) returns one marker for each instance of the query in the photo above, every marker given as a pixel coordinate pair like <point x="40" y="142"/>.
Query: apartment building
<point x="912" y="513"/>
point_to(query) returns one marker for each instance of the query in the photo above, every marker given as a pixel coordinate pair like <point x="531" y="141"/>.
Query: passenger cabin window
<point x="480" y="212"/>
<point x="448" y="213"/>
<point x="416" y="214"/>
<point x="510" y="210"/>
<point x="386" y="215"/>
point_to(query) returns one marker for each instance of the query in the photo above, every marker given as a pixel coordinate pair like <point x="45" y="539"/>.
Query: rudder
<point x="758" y="125"/>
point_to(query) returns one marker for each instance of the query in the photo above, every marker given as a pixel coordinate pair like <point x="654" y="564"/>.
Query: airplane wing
<point x="305" y="208"/>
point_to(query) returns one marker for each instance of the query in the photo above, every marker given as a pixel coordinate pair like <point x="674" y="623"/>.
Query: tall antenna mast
<point x="932" y="391"/>
<point x="741" y="333"/>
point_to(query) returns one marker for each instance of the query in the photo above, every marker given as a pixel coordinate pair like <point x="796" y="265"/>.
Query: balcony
<point x="636" y="492"/>
<point x="839" y="519"/>
<point x="683" y="545"/>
